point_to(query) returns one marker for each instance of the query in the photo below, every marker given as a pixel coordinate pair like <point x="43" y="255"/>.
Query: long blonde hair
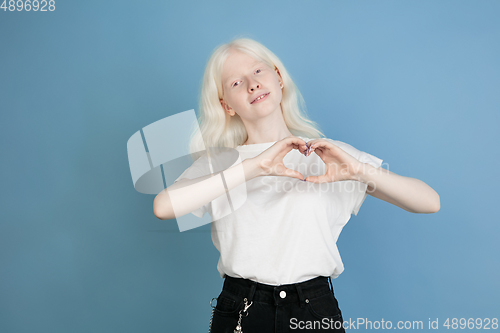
<point x="217" y="127"/>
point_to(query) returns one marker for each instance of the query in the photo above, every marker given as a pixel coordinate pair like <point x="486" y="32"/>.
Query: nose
<point x="254" y="85"/>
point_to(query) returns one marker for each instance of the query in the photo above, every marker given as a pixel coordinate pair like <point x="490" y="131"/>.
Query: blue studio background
<point x="415" y="83"/>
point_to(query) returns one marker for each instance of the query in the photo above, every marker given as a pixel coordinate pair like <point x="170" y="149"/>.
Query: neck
<point x="265" y="130"/>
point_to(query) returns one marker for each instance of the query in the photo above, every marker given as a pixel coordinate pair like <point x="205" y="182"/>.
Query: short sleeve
<point x="359" y="193"/>
<point x="198" y="169"/>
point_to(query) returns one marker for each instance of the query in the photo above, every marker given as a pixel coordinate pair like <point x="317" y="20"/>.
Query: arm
<point x="187" y="195"/>
<point x="410" y="194"/>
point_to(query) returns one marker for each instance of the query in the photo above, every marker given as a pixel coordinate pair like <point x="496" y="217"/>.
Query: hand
<point x="270" y="161"/>
<point x="339" y="164"/>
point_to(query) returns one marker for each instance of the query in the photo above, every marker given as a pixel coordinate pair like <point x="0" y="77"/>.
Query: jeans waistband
<point x="286" y="293"/>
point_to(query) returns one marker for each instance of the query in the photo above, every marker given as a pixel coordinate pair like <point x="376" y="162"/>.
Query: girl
<point x="278" y="249"/>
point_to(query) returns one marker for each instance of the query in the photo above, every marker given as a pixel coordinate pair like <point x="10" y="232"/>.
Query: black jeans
<point x="309" y="306"/>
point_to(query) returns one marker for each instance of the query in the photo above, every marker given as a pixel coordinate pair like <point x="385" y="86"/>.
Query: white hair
<point x="217" y="127"/>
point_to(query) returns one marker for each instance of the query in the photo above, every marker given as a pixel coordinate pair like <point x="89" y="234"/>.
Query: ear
<point x="224" y="105"/>
<point x="278" y="72"/>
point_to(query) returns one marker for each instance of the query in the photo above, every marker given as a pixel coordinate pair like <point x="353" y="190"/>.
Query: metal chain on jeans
<point x="238" y="327"/>
<point x="212" y="315"/>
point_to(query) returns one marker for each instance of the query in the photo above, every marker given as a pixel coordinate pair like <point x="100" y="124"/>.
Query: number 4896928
<point x="28" y="5"/>
<point x="471" y="323"/>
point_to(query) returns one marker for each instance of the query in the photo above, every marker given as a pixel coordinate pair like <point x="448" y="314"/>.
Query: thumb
<point x="312" y="179"/>
<point x="318" y="179"/>
<point x="294" y="174"/>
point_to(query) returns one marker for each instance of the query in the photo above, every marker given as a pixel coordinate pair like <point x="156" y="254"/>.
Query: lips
<point x="265" y="94"/>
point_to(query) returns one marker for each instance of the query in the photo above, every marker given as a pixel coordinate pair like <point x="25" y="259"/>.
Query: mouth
<point x="260" y="98"/>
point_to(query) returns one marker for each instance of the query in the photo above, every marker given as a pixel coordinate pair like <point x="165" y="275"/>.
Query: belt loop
<point x="301" y="296"/>
<point x="330" y="280"/>
<point x="252" y="290"/>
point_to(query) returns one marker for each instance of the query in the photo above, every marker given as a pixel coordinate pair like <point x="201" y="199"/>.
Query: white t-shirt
<point x="287" y="229"/>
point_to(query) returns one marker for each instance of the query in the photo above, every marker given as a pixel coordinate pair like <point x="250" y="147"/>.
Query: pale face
<point x="244" y="79"/>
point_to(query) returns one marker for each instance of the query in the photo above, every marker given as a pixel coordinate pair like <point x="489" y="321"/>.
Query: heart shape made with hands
<point x="339" y="164"/>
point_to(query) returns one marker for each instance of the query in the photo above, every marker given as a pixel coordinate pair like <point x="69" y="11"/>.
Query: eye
<point x="257" y="71"/>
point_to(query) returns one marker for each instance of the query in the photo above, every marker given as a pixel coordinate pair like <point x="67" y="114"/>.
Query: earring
<point x="281" y="85"/>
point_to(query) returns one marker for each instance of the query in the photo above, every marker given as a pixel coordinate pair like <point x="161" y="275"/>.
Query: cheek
<point x="237" y="99"/>
<point x="241" y="98"/>
<point x="232" y="97"/>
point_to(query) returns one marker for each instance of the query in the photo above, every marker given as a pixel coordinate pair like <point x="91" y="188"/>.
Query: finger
<point x="312" y="145"/>
<point x="324" y="145"/>
<point x="293" y="174"/>
<point x="311" y="142"/>
<point x="300" y="147"/>
<point x="319" y="144"/>
<point x="317" y="179"/>
<point x="290" y="143"/>
<point x="319" y="148"/>
<point x="296" y="140"/>
<point x="303" y="148"/>
<point x="308" y="148"/>
<point x="299" y="144"/>
<point x="314" y="148"/>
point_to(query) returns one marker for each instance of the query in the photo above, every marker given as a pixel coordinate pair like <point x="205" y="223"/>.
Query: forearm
<point x="184" y="197"/>
<point x="408" y="193"/>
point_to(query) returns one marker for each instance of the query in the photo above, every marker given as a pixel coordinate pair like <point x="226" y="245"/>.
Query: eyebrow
<point x="230" y="78"/>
